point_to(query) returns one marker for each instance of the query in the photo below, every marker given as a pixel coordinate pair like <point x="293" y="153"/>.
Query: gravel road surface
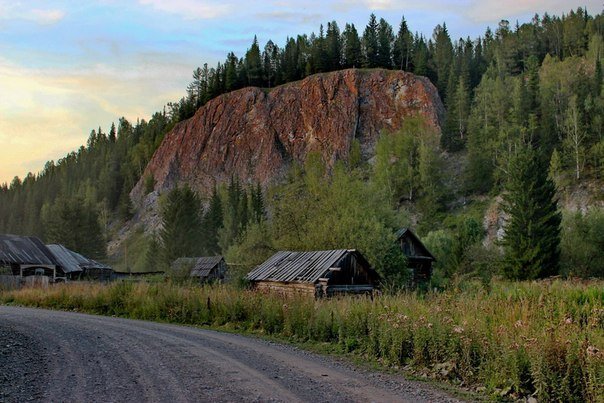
<point x="71" y="357"/>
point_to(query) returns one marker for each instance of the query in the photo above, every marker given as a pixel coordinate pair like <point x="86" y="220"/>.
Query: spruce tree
<point x="403" y="46"/>
<point x="333" y="46"/>
<point x="532" y="233"/>
<point x="352" y="47"/>
<point x="253" y="64"/>
<point x="213" y="222"/>
<point x="181" y="233"/>
<point x="385" y="40"/>
<point x="370" y="43"/>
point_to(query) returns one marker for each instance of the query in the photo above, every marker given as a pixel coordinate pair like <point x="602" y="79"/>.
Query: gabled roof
<point x="303" y="267"/>
<point x="15" y="249"/>
<point x="65" y="258"/>
<point x="72" y="261"/>
<point x="200" y="266"/>
<point x="204" y="265"/>
<point x="406" y="232"/>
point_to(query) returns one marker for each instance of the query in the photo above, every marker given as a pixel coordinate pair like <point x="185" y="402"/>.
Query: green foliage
<point x="583" y="244"/>
<point x="152" y="255"/>
<point x="74" y="224"/>
<point x="532" y="234"/>
<point x="514" y="341"/>
<point x="181" y="234"/>
<point x="212" y="223"/>
<point x="408" y="167"/>
<point x="149" y="183"/>
<point x="317" y="211"/>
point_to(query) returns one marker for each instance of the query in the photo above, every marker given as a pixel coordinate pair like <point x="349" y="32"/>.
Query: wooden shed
<point x="28" y="256"/>
<point x="205" y="269"/>
<point x="78" y="265"/>
<point x="419" y="258"/>
<point x="316" y="273"/>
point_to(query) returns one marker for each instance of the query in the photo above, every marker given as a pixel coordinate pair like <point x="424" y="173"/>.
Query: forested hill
<point x="540" y="80"/>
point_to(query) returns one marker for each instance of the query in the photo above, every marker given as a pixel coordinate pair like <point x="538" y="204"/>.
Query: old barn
<point x="79" y="266"/>
<point x="317" y="273"/>
<point x="204" y="269"/>
<point x="28" y="256"/>
<point x="419" y="258"/>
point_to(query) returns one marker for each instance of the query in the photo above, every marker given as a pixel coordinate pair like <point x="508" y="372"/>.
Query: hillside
<point x="256" y="135"/>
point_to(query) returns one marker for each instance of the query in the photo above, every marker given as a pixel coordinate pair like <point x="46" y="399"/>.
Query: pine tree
<point x="213" y="222"/>
<point x="257" y="199"/>
<point x="333" y="46"/>
<point x="532" y="233"/>
<point x="253" y="64"/>
<point x="385" y="40"/>
<point x="112" y="133"/>
<point x="152" y="258"/>
<point x="443" y="57"/>
<point x="420" y="56"/>
<point x="370" y="43"/>
<point x="403" y="46"/>
<point x="231" y="79"/>
<point x="352" y="47"/>
<point x="182" y="233"/>
<point x="270" y="61"/>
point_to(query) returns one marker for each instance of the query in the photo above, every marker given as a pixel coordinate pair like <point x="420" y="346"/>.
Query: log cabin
<point x="316" y="273"/>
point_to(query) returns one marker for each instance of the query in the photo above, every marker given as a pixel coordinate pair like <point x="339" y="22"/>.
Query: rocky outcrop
<point x="255" y="134"/>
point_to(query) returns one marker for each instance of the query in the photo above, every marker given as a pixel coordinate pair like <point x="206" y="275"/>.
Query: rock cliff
<point x="255" y="134"/>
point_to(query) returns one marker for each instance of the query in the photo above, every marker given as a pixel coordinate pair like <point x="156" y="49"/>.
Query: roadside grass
<point x="542" y="339"/>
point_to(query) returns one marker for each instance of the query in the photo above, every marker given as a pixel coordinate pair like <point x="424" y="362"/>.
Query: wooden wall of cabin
<point x="290" y="289"/>
<point x="351" y="272"/>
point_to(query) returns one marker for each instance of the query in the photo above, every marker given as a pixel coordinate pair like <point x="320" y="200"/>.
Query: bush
<point x="582" y="246"/>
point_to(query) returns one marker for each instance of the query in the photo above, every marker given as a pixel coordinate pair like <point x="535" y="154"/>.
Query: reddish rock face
<point x="256" y="135"/>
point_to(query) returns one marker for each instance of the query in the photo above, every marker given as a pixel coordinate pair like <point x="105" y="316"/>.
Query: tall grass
<point x="542" y="339"/>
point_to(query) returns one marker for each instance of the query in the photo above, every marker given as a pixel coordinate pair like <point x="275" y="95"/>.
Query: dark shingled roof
<point x="302" y="267"/>
<point x="16" y="249"/>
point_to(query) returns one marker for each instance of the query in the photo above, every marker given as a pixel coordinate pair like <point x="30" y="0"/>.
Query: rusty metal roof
<point x="15" y="249"/>
<point x="304" y="267"/>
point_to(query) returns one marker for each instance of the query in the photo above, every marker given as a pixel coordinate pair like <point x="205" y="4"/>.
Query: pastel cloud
<point x="12" y="10"/>
<point x="47" y="113"/>
<point x="46" y="16"/>
<point x="481" y="11"/>
<point x="190" y="9"/>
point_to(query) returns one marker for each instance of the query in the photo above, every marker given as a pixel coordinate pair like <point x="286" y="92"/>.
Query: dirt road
<point x="71" y="357"/>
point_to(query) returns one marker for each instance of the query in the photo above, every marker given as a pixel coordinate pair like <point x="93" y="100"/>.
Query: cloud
<point x="190" y="9"/>
<point x="488" y="10"/>
<point x="16" y="11"/>
<point x="290" y="17"/>
<point x="45" y="113"/>
<point x="46" y="17"/>
<point x="478" y="11"/>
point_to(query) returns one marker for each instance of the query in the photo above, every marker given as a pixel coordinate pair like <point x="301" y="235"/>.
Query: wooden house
<point x="204" y="269"/>
<point x="419" y="258"/>
<point x="316" y="273"/>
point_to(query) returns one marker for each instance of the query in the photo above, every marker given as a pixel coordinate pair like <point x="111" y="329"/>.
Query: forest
<point x="522" y="98"/>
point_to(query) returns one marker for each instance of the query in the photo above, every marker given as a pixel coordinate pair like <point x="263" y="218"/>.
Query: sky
<point x="69" y="66"/>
